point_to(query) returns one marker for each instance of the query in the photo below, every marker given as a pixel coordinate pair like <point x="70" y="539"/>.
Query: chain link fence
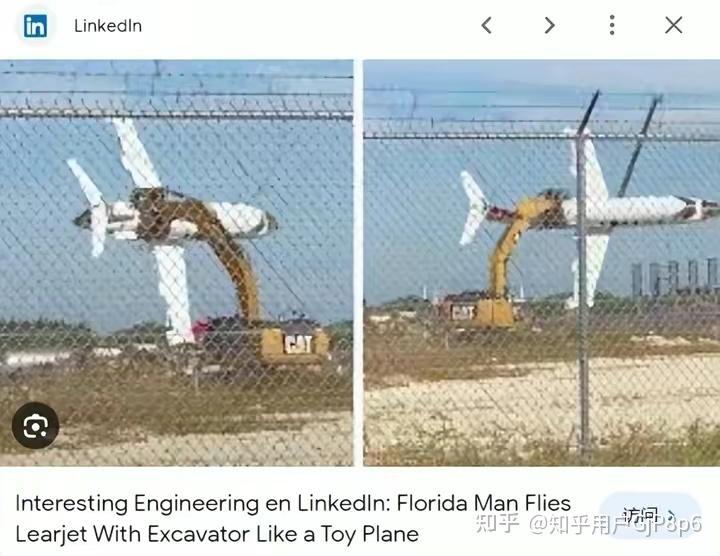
<point x="177" y="267"/>
<point x="491" y="352"/>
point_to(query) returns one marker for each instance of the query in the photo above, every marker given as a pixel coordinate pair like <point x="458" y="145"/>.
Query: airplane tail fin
<point x="478" y="207"/>
<point x="98" y="207"/>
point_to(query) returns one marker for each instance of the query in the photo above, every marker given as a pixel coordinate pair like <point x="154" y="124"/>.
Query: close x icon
<point x="674" y="24"/>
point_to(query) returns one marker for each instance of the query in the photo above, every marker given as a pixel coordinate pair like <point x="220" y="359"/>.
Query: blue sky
<point x="464" y="89"/>
<point x="299" y="171"/>
<point x="629" y="76"/>
<point x="415" y="207"/>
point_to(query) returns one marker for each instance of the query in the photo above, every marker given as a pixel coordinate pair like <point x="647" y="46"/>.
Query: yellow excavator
<point x="496" y="311"/>
<point x="493" y="308"/>
<point x="294" y="342"/>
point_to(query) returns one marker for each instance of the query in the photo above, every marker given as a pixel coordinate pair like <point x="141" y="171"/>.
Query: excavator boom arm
<point x="159" y="213"/>
<point x="526" y="213"/>
<point x="501" y="254"/>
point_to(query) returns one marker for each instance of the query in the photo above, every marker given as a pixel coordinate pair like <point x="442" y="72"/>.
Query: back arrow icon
<point x="552" y="25"/>
<point x="484" y="25"/>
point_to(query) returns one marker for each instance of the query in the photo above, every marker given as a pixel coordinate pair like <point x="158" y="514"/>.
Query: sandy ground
<point x="662" y="394"/>
<point x="326" y="439"/>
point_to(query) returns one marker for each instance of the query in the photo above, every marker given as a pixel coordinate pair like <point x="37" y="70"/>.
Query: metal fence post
<point x="582" y="317"/>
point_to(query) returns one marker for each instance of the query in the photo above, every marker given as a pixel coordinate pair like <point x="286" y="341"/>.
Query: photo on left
<point x="177" y="263"/>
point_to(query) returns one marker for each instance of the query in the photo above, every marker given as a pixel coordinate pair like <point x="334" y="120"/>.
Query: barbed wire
<point x="608" y="95"/>
<point x="145" y="92"/>
<point x="511" y="108"/>
<point x="162" y="74"/>
<point x="39" y="83"/>
<point x="320" y="107"/>
<point x="540" y="136"/>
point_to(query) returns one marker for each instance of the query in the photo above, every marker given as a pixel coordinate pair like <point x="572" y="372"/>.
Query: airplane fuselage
<point x="608" y="213"/>
<point x="127" y="222"/>
<point x="641" y="211"/>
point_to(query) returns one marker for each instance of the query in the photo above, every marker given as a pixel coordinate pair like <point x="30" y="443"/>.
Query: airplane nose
<point x="710" y="209"/>
<point x="83" y="220"/>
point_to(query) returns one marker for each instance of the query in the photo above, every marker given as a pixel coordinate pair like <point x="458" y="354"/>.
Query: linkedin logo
<point x="35" y="26"/>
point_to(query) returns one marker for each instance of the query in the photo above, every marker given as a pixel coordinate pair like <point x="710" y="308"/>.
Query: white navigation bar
<point x="223" y="29"/>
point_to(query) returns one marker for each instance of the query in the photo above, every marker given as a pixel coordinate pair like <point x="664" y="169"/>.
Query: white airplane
<point x="603" y="214"/>
<point x="154" y="215"/>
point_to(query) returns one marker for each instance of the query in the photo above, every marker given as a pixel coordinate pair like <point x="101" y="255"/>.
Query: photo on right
<point x="541" y="266"/>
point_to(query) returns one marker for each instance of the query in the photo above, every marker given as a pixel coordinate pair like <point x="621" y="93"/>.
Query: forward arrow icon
<point x="552" y="25"/>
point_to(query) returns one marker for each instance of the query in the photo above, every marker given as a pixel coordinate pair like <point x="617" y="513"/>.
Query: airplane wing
<point x="135" y="158"/>
<point x="595" y="186"/>
<point x="597" y="243"/>
<point x="98" y="208"/>
<point x="173" y="288"/>
<point x="597" y="240"/>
